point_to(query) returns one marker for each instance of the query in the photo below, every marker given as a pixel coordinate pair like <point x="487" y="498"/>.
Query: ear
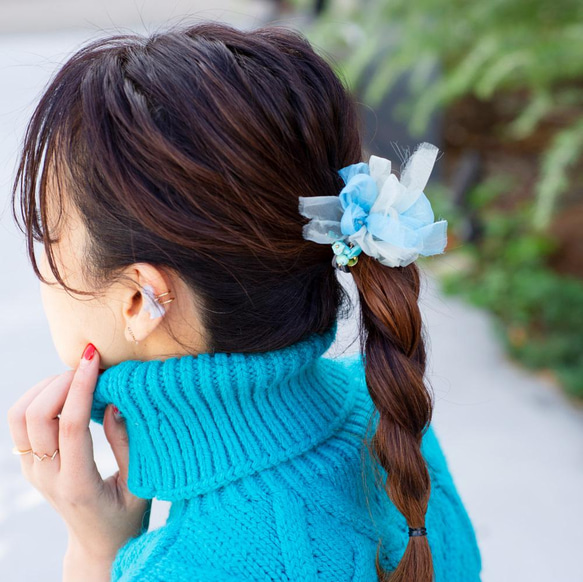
<point x="146" y="301"/>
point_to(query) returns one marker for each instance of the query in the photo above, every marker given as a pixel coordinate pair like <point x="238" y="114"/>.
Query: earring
<point x="132" y="334"/>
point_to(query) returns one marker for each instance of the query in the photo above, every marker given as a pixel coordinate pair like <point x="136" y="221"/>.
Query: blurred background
<point x="498" y="87"/>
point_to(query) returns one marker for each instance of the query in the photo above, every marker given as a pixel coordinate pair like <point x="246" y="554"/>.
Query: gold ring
<point x="17" y="451"/>
<point x="45" y="455"/>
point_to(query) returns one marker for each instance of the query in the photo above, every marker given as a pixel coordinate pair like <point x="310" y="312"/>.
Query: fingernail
<point x="89" y="352"/>
<point x="116" y="413"/>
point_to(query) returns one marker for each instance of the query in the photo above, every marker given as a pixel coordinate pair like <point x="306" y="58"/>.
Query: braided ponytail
<point x="377" y="225"/>
<point x="395" y="360"/>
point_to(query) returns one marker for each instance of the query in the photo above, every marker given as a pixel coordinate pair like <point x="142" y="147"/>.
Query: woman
<point x="169" y="179"/>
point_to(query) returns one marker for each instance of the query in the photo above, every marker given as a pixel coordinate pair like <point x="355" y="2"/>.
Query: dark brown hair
<point x="188" y="149"/>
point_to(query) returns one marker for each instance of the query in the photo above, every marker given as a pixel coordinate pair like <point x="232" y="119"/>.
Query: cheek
<point x="65" y="321"/>
<point x="74" y="322"/>
<point x="55" y="307"/>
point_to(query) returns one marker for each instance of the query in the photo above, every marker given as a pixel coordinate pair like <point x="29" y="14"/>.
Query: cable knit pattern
<point x="263" y="458"/>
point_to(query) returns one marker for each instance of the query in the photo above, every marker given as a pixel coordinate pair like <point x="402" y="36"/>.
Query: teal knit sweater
<point x="263" y="459"/>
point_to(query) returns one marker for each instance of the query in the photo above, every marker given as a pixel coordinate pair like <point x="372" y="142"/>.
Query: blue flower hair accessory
<point x="389" y="219"/>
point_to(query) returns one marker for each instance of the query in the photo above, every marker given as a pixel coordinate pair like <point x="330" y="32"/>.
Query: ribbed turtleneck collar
<point x="196" y="423"/>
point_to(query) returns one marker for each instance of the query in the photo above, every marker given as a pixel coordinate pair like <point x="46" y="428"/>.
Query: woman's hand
<point x="101" y="515"/>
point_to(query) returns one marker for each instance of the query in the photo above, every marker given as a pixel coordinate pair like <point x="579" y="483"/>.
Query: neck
<point x="196" y="423"/>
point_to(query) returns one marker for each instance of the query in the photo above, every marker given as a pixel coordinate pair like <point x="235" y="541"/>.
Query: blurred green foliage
<point x="510" y="52"/>
<point x="539" y="313"/>
<point x="486" y="49"/>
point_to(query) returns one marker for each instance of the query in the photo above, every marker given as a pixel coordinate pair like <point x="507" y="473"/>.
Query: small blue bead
<point x="355" y="251"/>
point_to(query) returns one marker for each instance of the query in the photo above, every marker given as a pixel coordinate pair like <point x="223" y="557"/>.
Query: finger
<point x="17" y="413"/>
<point x="117" y="436"/>
<point x="75" y="443"/>
<point x="42" y="420"/>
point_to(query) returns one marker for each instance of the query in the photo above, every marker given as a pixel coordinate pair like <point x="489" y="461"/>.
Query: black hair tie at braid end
<point x="417" y="531"/>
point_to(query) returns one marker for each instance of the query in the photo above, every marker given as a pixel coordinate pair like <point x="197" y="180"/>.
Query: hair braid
<point x="395" y="361"/>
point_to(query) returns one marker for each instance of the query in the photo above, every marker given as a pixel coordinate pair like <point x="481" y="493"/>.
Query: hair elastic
<point x="417" y="531"/>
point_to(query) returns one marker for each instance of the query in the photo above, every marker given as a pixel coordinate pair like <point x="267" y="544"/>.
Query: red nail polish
<point x="89" y="352"/>
<point x="117" y="415"/>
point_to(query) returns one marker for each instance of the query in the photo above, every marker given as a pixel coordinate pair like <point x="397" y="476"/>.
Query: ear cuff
<point x="162" y="295"/>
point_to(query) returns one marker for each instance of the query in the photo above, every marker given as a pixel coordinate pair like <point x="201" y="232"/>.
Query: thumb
<point x="117" y="436"/>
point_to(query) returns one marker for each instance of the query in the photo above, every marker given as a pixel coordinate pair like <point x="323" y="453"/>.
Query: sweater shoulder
<point x="173" y="552"/>
<point x="248" y="537"/>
